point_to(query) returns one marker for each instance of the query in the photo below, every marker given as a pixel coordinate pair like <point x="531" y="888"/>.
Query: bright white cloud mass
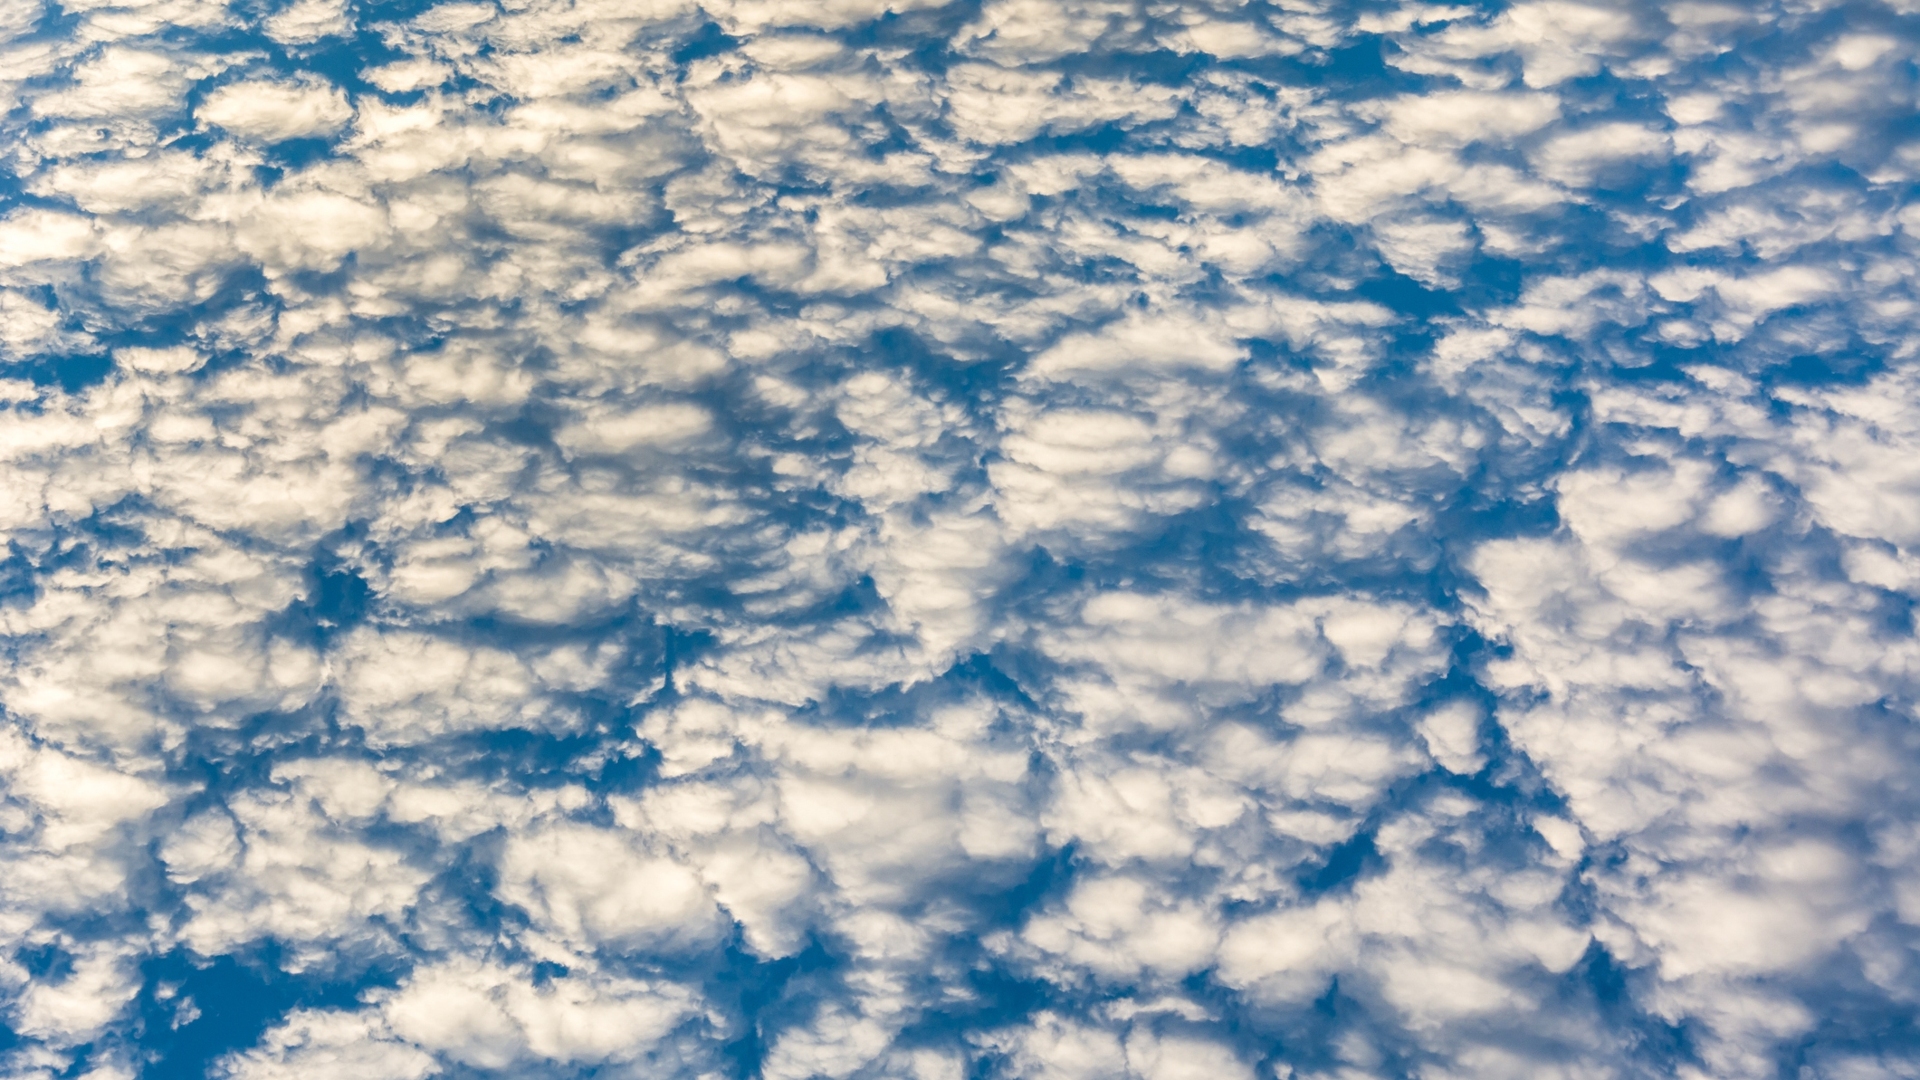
<point x="959" y="539"/>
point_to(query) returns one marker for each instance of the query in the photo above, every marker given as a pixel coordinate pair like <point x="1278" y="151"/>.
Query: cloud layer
<point x="903" y="539"/>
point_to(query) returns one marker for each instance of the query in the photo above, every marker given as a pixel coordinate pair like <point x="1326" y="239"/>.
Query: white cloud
<point x="591" y="885"/>
<point x="1110" y="927"/>
<point x="120" y="83"/>
<point x="1182" y="1058"/>
<point x="664" y="425"/>
<point x="310" y="230"/>
<point x="272" y="111"/>
<point x="406" y="686"/>
<point x="1017" y="31"/>
<point x="1583" y="157"/>
<point x="305" y="21"/>
<point x="1460" y="117"/>
<point x="1452" y="735"/>
<point x="1555" y="40"/>
<point x="29" y="236"/>
<point x="1135" y="344"/>
<point x="492" y="1017"/>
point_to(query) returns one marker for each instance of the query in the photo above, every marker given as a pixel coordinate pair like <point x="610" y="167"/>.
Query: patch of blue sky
<point x="903" y="539"/>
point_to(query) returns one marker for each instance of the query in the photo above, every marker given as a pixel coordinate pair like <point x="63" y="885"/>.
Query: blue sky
<point x="918" y="540"/>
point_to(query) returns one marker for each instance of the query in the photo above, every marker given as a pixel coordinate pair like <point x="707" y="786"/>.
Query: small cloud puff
<point x="272" y="110"/>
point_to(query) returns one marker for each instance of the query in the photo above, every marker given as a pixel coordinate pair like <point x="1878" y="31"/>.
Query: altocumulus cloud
<point x="959" y="539"/>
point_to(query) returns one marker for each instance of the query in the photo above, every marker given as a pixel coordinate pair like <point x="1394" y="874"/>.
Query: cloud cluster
<point x="902" y="539"/>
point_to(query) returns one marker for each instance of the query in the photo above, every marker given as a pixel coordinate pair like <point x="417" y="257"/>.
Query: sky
<point x="959" y="540"/>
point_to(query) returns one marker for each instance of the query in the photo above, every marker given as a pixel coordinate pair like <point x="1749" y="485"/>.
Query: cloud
<point x="1580" y="158"/>
<point x="33" y="236"/>
<point x="310" y="1041"/>
<point x="490" y="1017"/>
<point x="273" y="111"/>
<point x="588" y="884"/>
<point x="307" y="21"/>
<point x="120" y="83"/>
<point x="1460" y="117"/>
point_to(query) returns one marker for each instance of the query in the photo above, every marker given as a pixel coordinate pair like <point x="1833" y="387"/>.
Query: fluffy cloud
<point x="275" y="111"/>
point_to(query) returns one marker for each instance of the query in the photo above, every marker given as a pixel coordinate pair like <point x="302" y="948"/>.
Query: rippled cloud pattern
<point x="959" y="540"/>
